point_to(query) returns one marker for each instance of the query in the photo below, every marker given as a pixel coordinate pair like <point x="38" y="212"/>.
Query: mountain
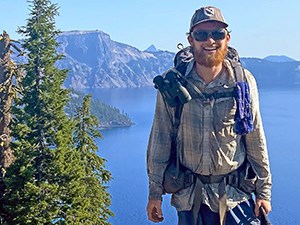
<point x="96" y="61"/>
<point x="151" y="48"/>
<point x="279" y="58"/>
<point x="273" y="74"/>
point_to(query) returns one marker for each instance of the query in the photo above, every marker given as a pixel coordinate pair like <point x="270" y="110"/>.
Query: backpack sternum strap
<point x="229" y="93"/>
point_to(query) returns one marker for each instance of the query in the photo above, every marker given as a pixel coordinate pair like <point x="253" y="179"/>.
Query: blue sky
<point x="259" y="27"/>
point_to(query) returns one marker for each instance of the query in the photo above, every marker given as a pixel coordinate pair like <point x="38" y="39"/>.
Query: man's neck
<point x="208" y="74"/>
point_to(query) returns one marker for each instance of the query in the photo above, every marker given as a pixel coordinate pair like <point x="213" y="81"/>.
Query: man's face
<point x="211" y="51"/>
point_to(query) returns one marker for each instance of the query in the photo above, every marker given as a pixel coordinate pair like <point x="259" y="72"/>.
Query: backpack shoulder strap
<point x="243" y="115"/>
<point x="234" y="59"/>
<point x="238" y="71"/>
<point x="177" y="118"/>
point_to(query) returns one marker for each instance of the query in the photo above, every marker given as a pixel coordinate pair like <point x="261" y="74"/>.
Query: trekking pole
<point x="264" y="217"/>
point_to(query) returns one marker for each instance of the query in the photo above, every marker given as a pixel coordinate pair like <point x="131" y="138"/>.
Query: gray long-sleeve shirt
<point x="207" y="142"/>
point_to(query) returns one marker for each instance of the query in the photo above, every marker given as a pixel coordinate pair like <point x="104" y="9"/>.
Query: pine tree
<point x="94" y="200"/>
<point x="41" y="130"/>
<point x="47" y="183"/>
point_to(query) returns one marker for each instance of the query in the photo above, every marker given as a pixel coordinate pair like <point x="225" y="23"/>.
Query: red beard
<point x="210" y="60"/>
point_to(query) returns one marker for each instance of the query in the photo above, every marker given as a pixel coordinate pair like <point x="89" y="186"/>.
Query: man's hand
<point x="262" y="203"/>
<point x="154" y="211"/>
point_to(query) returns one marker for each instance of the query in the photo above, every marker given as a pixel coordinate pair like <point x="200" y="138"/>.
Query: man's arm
<point x="257" y="152"/>
<point x="158" y="154"/>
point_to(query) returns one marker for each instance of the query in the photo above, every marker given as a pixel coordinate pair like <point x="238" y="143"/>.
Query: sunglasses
<point x="202" y="35"/>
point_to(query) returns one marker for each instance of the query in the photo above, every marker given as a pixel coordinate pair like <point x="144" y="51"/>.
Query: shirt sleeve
<point x="159" y="147"/>
<point x="256" y="146"/>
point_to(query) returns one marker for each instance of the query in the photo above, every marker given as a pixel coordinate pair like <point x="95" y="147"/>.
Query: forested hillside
<point x="108" y="116"/>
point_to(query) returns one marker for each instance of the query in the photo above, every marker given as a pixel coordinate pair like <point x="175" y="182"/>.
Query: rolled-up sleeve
<point x="256" y="146"/>
<point x="159" y="145"/>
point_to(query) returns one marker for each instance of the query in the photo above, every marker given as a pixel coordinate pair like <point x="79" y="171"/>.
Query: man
<point x="206" y="140"/>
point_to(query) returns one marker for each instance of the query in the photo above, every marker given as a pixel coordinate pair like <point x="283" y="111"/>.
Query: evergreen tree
<point x="94" y="200"/>
<point x="48" y="182"/>
<point x="41" y="130"/>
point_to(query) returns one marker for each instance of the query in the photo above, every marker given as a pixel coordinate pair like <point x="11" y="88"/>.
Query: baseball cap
<point x="205" y="14"/>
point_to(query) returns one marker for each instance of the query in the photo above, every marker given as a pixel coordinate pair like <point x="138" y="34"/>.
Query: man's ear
<point x="190" y="39"/>
<point x="228" y="37"/>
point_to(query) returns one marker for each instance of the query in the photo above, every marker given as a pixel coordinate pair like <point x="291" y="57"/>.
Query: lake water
<point x="125" y="150"/>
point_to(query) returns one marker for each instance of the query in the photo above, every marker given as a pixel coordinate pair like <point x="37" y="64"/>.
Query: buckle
<point x="189" y="179"/>
<point x="209" y="100"/>
<point x="232" y="180"/>
<point x="205" y="179"/>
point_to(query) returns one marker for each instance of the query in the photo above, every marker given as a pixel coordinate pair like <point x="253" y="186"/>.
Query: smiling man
<point x="219" y="137"/>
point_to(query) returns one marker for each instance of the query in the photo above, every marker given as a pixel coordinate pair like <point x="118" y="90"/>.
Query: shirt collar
<point x="230" y="80"/>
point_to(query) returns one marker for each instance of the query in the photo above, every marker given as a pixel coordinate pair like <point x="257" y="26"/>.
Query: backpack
<point x="176" y="176"/>
<point x="241" y="93"/>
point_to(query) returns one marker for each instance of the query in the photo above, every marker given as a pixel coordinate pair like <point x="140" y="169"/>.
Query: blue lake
<point x="125" y="150"/>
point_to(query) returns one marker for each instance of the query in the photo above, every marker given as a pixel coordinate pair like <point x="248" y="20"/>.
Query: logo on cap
<point x="208" y="11"/>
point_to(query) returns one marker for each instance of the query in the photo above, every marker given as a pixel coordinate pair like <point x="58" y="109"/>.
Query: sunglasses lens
<point x="218" y="34"/>
<point x="202" y="35"/>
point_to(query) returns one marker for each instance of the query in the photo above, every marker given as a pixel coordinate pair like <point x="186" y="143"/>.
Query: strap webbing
<point x="215" y="95"/>
<point x="176" y="123"/>
<point x="222" y="200"/>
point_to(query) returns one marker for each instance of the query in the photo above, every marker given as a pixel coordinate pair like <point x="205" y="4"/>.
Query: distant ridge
<point x="279" y="58"/>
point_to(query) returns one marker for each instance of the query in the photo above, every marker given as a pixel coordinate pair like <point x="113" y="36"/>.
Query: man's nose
<point x="210" y="39"/>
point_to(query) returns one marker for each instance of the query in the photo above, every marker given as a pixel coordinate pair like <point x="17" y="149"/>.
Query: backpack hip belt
<point x="231" y="178"/>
